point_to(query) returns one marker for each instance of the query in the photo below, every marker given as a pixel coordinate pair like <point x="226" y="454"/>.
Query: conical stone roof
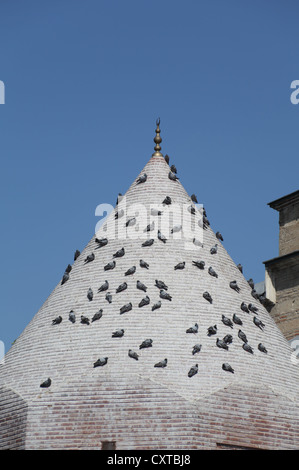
<point x="66" y="352"/>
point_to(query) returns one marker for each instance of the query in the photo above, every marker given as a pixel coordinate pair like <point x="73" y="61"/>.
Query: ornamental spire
<point x="157" y="140"/>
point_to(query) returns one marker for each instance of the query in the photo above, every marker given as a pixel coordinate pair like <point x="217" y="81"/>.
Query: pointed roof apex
<point x="157" y="140"/>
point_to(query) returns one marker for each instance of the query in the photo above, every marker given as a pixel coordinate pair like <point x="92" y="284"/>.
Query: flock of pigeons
<point x="163" y="291"/>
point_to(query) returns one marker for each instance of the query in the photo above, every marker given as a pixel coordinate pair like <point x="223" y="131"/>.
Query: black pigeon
<point x="130" y="271"/>
<point x="237" y="320"/>
<point x="161" y="237"/>
<point x="101" y="242"/>
<point x="212" y="330"/>
<point x="133" y="354"/>
<point x="205" y="221"/>
<point x="131" y="222"/>
<point x="143" y="264"/>
<point x="76" y="255"/>
<point x="167" y="201"/>
<point x="165" y="295"/>
<point x="251" y="283"/>
<point x="255" y="294"/>
<point x="227" y="368"/>
<point x="199" y="264"/>
<point x="72" y="317"/>
<point x="214" y="249"/>
<point x="90" y="294"/>
<point x="247" y="348"/>
<point x="191" y="209"/>
<point x="166" y="159"/>
<point x="160" y="285"/>
<point x="212" y="272"/>
<point x="97" y="316"/>
<point x="110" y="266"/>
<point x="144" y="301"/>
<point x="192" y="329"/>
<point x="258" y="323"/>
<point x="208" y="297"/>
<point x="180" y="266"/>
<point x="219" y="236"/>
<point x="122" y="287"/>
<point x="244" y="307"/>
<point x="227" y="321"/>
<point x="262" y="348"/>
<point x="68" y="268"/>
<point x="119" y="253"/>
<point x="118" y="333"/>
<point x="240" y="267"/>
<point x="89" y="258"/>
<point x="46" y="383"/>
<point x="252" y="308"/>
<point x="197" y="242"/>
<point x="148" y="242"/>
<point x="156" y="306"/>
<point x="242" y="336"/>
<point x="101" y="362"/>
<point x="233" y="285"/>
<point x="196" y="349"/>
<point x="161" y="364"/>
<point x="108" y="297"/>
<point x="57" y="320"/>
<point x="228" y="339"/>
<point x="141" y="286"/>
<point x="155" y="211"/>
<point x="150" y="227"/>
<point x="194" y="198"/>
<point x="193" y="371"/>
<point x="104" y="287"/>
<point x="173" y="169"/>
<point x="125" y="308"/>
<point x="172" y="176"/>
<point x="147" y="343"/>
<point x="221" y="344"/>
<point x="119" y="214"/>
<point x="84" y="320"/>
<point x="142" y="179"/>
<point x="65" y="278"/>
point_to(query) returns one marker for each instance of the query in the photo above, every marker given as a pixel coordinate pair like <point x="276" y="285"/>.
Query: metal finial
<point x="157" y="140"/>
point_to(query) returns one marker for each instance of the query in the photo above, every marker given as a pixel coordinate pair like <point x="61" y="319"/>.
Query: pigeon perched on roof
<point x="251" y="283"/>
<point x="208" y="297"/>
<point x="144" y="301"/>
<point x="173" y="169"/>
<point x="214" y="249"/>
<point x="90" y="294"/>
<point x="227" y="368"/>
<point x="197" y="242"/>
<point x="219" y="236"/>
<point x="148" y="242"/>
<point x="65" y="278"/>
<point x="119" y="214"/>
<point x="227" y="321"/>
<point x="212" y="272"/>
<point x="156" y="211"/>
<point x="212" y="330"/>
<point x="110" y="266"/>
<point x="191" y="209"/>
<point x="160" y="284"/>
<point x="104" y="287"/>
<point x="119" y="198"/>
<point x="142" y="179"/>
<point x="255" y="294"/>
<point x="57" y="320"/>
<point x="205" y="221"/>
<point x="101" y="362"/>
<point x="161" y="364"/>
<point x="156" y="306"/>
<point x="192" y="329"/>
<point x="125" y="308"/>
<point x="194" y="198"/>
<point x="143" y="264"/>
<point x="130" y="222"/>
<point x="76" y="255"/>
<point x="193" y="371"/>
<point x="237" y="320"/>
<point x="228" y="339"/>
<point x="242" y="336"/>
<point x="101" y="242"/>
<point x="68" y="268"/>
<point x="221" y="344"/>
<point x="196" y="349"/>
<point x="118" y="333"/>
<point x="72" y="317"/>
<point x="150" y="227"/>
<point x="252" y="308"/>
<point x="84" y="320"/>
<point x="262" y="348"/>
<point x="167" y="200"/>
<point x="119" y="253"/>
<point x="199" y="264"/>
<point x="46" y="383"/>
<point x="89" y="258"/>
<point x="247" y="348"/>
<point x="233" y="285"/>
<point x="176" y="229"/>
<point x="258" y="323"/>
<point x="161" y="237"/>
<point x="180" y="265"/>
<point x="165" y="295"/>
<point x="97" y="316"/>
<point x="166" y="158"/>
<point x="130" y="271"/>
<point x="147" y="343"/>
<point x="141" y="286"/>
<point x="133" y="354"/>
<point x="108" y="297"/>
<point x="240" y="267"/>
<point x="122" y="287"/>
<point x="244" y="307"/>
<point x="172" y="176"/>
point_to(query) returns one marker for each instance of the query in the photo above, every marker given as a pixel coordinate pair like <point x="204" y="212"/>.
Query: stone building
<point x="226" y="379"/>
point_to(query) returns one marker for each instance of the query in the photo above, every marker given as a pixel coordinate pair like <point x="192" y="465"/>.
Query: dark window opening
<point x="108" y="445"/>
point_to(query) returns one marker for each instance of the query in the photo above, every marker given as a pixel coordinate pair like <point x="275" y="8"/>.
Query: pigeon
<point x="219" y="236"/>
<point x="104" y="287"/>
<point x="237" y="320"/>
<point x="262" y="348"/>
<point x="148" y="242"/>
<point x="84" y="320"/>
<point x="199" y="264"/>
<point x="197" y="242"/>
<point x="108" y="297"/>
<point x="57" y="320"/>
<point x="242" y="336"/>
<point x="72" y="317"/>
<point x="192" y="329"/>
<point x="227" y="321"/>
<point x="131" y="222"/>
<point x="166" y="158"/>
<point x="212" y="272"/>
<point x="244" y="307"/>
<point x="161" y="285"/>
<point x="161" y="237"/>
<point x="147" y="343"/>
<point x="194" y="198"/>
<point x="156" y="212"/>
<point x="125" y="308"/>
<point x="161" y="364"/>
<point x="167" y="201"/>
<point x="233" y="285"/>
<point x="119" y="253"/>
<point x="119" y="214"/>
<point x="90" y="294"/>
<point x="196" y="349"/>
<point x="247" y="348"/>
<point x="176" y="228"/>
<point x="205" y="221"/>
<point x="180" y="266"/>
<point x="76" y="255"/>
<point x="65" y="278"/>
<point x="119" y="198"/>
<point x="141" y="286"/>
<point x="193" y="371"/>
<point x="133" y="354"/>
<point x="214" y="249"/>
<point x="130" y="271"/>
<point x="101" y="242"/>
<point x="252" y="308"/>
<point x="118" y="333"/>
<point x="46" y="383"/>
<point x="68" y="269"/>
<point x="97" y="316"/>
<point x="221" y="344"/>
<point x="228" y="339"/>
<point x="227" y="368"/>
<point x="212" y="330"/>
<point x="149" y="227"/>
<point x="255" y="294"/>
<point x="172" y="176"/>
<point x="191" y="209"/>
<point x="122" y="287"/>
<point x="110" y="266"/>
<point x="144" y="301"/>
<point x="143" y="264"/>
<point x="240" y="267"/>
<point x="251" y="283"/>
<point x="208" y="297"/>
<point x="101" y="362"/>
<point x="165" y="295"/>
<point x="156" y="306"/>
<point x="89" y="258"/>
<point x="142" y="179"/>
<point x="258" y="323"/>
<point x="173" y="169"/>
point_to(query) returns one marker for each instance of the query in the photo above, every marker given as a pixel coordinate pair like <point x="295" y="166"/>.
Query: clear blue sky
<point x="85" y="82"/>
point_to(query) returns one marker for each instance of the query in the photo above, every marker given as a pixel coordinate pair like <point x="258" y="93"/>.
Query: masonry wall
<point x="289" y="229"/>
<point x="13" y="417"/>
